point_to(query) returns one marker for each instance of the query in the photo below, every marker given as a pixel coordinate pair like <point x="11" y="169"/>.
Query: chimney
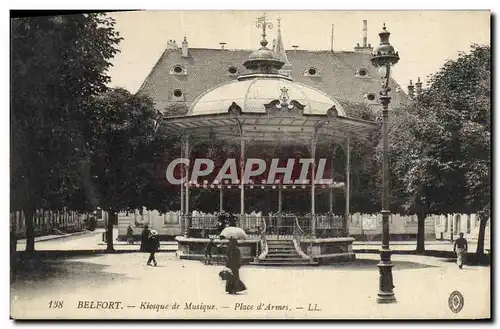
<point x="185" y="48"/>
<point x="411" y="90"/>
<point x="418" y="87"/>
<point x="222" y="44"/>
<point x="295" y="47"/>
<point x="365" y="33"/>
<point x="171" y="44"/>
<point x="365" y="47"/>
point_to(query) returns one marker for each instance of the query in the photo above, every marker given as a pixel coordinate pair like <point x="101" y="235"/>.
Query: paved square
<point x="423" y="285"/>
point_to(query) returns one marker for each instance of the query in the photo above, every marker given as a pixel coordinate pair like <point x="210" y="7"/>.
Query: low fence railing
<point x="279" y="225"/>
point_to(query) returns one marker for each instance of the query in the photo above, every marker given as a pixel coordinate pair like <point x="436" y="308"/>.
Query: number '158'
<point x="56" y="304"/>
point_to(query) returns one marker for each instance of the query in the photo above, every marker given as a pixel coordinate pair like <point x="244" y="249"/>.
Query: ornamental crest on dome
<point x="284" y="100"/>
<point x="284" y="103"/>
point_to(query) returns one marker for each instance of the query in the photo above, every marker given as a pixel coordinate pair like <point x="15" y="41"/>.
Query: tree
<point x="419" y="180"/>
<point x="57" y="63"/>
<point x="121" y="133"/>
<point x="440" y="145"/>
<point x="464" y="87"/>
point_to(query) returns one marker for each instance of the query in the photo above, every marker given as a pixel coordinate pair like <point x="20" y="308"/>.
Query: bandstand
<point x="264" y="107"/>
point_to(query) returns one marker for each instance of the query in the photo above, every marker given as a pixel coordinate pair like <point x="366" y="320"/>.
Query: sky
<point x="425" y="39"/>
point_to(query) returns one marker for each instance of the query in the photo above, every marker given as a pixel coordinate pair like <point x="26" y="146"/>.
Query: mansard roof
<point x="343" y="75"/>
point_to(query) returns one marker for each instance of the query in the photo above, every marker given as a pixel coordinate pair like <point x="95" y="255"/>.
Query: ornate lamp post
<point x="383" y="57"/>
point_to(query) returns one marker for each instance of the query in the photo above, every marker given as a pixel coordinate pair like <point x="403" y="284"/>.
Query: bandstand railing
<point x="282" y="226"/>
<point x="299" y="234"/>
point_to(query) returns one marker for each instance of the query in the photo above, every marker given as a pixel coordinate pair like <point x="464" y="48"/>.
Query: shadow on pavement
<point x="57" y="272"/>
<point x="447" y="256"/>
<point x="370" y="264"/>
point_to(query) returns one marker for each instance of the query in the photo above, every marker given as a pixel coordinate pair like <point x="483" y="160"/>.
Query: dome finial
<point x="264" y="24"/>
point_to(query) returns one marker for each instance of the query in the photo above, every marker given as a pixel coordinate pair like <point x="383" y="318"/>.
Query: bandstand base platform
<point x="281" y="251"/>
<point x="194" y="249"/>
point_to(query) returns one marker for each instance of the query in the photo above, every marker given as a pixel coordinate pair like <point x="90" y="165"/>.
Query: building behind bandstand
<point x="223" y="91"/>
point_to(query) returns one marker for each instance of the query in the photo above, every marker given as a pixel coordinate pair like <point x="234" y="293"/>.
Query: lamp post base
<point x="386" y="286"/>
<point x="386" y="298"/>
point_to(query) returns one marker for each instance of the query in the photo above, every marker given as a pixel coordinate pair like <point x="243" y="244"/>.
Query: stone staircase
<point x="281" y="252"/>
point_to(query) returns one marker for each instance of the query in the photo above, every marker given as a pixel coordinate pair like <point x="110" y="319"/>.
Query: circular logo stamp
<point x="456" y="301"/>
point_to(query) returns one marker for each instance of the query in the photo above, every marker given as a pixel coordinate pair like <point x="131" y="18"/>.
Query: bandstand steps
<point x="284" y="259"/>
<point x="275" y="249"/>
<point x="294" y="263"/>
<point x="283" y="253"/>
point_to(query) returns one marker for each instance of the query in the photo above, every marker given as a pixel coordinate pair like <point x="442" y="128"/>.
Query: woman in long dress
<point x="233" y="283"/>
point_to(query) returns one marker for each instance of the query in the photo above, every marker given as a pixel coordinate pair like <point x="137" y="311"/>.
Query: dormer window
<point x="178" y="96"/>
<point x="233" y="71"/>
<point x="362" y="73"/>
<point x="178" y="70"/>
<point x="312" y="72"/>
<point x="370" y="97"/>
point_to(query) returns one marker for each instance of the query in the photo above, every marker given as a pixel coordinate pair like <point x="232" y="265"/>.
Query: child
<point x="130" y="235"/>
<point x="208" y="252"/>
<point x="153" y="246"/>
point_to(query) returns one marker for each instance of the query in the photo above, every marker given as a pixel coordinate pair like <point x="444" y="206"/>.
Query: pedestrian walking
<point x="152" y="246"/>
<point x="233" y="262"/>
<point x="460" y="249"/>
<point x="144" y="237"/>
<point x="208" y="252"/>
<point x="130" y="235"/>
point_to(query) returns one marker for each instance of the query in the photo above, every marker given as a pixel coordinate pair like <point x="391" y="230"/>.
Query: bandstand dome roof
<point x="253" y="93"/>
<point x="267" y="106"/>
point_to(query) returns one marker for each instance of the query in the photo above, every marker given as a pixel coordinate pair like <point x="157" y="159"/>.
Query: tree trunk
<point x="30" y="229"/>
<point x="480" y="238"/>
<point x="109" y="231"/>
<point x="420" y="233"/>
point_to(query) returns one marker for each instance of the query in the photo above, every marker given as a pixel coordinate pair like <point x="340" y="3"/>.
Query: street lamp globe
<point x="382" y="71"/>
<point x="384" y="54"/>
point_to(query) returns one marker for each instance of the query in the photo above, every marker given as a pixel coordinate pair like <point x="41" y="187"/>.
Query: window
<point x="178" y="70"/>
<point x="362" y="72"/>
<point x="232" y="70"/>
<point x="312" y="72"/>
<point x="178" y="95"/>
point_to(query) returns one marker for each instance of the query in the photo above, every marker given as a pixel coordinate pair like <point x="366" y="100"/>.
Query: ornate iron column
<point x="221" y="199"/>
<point x="242" y="169"/>
<point x="383" y="57"/>
<point x="314" y="141"/>
<point x="182" y="217"/>
<point x="347" y="187"/>
<point x="188" y="152"/>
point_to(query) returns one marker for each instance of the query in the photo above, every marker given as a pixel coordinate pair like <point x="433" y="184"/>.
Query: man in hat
<point x="153" y="246"/>
<point x="460" y="248"/>
<point x="144" y="237"/>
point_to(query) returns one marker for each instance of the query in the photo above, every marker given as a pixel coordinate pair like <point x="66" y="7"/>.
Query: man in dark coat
<point x="460" y="248"/>
<point x="144" y="238"/>
<point x="152" y="246"/>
